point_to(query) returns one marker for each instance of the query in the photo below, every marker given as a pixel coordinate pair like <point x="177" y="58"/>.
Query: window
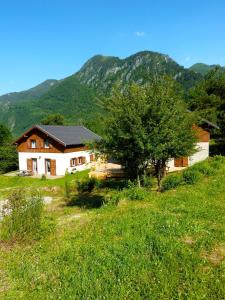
<point x="80" y="160"/>
<point x="73" y="162"/>
<point x="92" y="157"/>
<point x="33" y="144"/>
<point x="46" y="144"/>
<point x="77" y="161"/>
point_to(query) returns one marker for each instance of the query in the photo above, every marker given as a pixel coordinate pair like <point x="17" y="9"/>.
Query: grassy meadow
<point x="168" y="245"/>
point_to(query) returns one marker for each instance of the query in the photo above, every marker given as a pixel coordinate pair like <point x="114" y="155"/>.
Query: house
<point x="53" y="150"/>
<point x="202" y="151"/>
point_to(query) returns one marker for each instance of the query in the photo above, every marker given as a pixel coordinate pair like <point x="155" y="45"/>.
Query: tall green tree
<point x="147" y="125"/>
<point x="8" y="154"/>
<point x="208" y="97"/>
<point x="53" y="119"/>
<point x="5" y="135"/>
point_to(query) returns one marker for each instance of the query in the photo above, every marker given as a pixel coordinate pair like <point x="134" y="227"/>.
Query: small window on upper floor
<point x="46" y="144"/>
<point x="33" y="144"/>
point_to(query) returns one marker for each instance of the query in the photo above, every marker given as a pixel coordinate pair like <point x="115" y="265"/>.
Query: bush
<point x="135" y="193"/>
<point x="67" y="188"/>
<point x="43" y="177"/>
<point x="217" y="161"/>
<point x="86" y="185"/>
<point x="191" y="176"/>
<point x="204" y="169"/>
<point x="171" y="182"/>
<point x="147" y="181"/>
<point x="219" y="158"/>
<point x="22" y="215"/>
<point x="112" y="199"/>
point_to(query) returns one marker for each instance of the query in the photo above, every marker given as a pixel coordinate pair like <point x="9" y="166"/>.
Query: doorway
<point x="48" y="167"/>
<point x="34" y="165"/>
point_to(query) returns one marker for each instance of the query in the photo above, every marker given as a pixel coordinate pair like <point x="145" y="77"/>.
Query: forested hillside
<point x="76" y="97"/>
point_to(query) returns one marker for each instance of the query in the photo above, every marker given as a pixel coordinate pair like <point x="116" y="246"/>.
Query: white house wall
<point x="201" y="154"/>
<point x="62" y="161"/>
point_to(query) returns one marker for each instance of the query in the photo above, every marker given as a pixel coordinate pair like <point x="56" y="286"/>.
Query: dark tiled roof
<point x="70" y="135"/>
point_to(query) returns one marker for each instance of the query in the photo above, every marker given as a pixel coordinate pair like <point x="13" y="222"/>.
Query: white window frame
<point x="46" y="144"/>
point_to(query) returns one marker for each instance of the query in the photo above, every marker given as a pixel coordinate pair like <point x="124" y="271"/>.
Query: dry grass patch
<point x="216" y="256"/>
<point x="188" y="240"/>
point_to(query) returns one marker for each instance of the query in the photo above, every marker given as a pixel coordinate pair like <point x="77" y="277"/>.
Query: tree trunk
<point x="138" y="181"/>
<point x="160" y="168"/>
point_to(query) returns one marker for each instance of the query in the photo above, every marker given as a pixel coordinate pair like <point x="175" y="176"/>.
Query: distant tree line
<point x="8" y="154"/>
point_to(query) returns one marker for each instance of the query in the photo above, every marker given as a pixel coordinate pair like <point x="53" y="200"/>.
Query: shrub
<point x="204" y="169"/>
<point x="147" y="181"/>
<point x="219" y="158"/>
<point x="135" y="193"/>
<point x="43" y="177"/>
<point x="67" y="188"/>
<point x="86" y="185"/>
<point x="172" y="181"/>
<point x="22" y="214"/>
<point x="112" y="199"/>
<point x="191" y="176"/>
<point x="217" y="161"/>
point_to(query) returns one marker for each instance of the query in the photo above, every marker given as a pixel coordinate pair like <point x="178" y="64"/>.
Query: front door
<point x="48" y="167"/>
<point x="34" y="165"/>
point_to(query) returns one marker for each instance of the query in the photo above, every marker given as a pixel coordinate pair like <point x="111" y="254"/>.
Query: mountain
<point x="32" y="93"/>
<point x="76" y="96"/>
<point x="203" y="69"/>
<point x="102" y="72"/>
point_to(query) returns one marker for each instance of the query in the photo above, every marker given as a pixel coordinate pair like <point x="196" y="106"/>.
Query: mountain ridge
<point x="76" y="96"/>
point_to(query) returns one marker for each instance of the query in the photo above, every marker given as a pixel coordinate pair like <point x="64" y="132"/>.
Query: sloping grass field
<point x="170" y="245"/>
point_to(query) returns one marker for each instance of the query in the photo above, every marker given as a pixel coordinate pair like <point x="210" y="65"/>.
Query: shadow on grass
<point x="87" y="200"/>
<point x="116" y="184"/>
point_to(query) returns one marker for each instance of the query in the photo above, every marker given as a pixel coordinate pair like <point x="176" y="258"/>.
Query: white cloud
<point x="140" y="33"/>
<point x="187" y="58"/>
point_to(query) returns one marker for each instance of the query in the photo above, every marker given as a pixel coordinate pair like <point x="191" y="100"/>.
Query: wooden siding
<point x="40" y="137"/>
<point x="201" y="134"/>
<point x="75" y="149"/>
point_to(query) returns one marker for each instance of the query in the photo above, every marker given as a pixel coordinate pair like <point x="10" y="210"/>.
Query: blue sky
<point x="41" y="39"/>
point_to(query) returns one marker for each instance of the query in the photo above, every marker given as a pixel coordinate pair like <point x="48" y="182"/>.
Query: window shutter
<point x="29" y="164"/>
<point x="71" y="162"/>
<point x="76" y="161"/>
<point x="83" y="160"/>
<point x="53" y="167"/>
<point x="28" y="143"/>
<point x="92" y="157"/>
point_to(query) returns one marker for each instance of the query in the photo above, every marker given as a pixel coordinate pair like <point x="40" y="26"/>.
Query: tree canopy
<point x="147" y="125"/>
<point x="208" y="97"/>
<point x="8" y="154"/>
<point x="5" y="135"/>
<point x="53" y="119"/>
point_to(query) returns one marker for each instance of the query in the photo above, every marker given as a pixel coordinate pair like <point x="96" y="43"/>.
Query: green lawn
<point x="7" y="183"/>
<point x="168" y="246"/>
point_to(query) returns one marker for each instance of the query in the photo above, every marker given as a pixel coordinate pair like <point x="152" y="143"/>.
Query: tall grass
<point x="22" y="215"/>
